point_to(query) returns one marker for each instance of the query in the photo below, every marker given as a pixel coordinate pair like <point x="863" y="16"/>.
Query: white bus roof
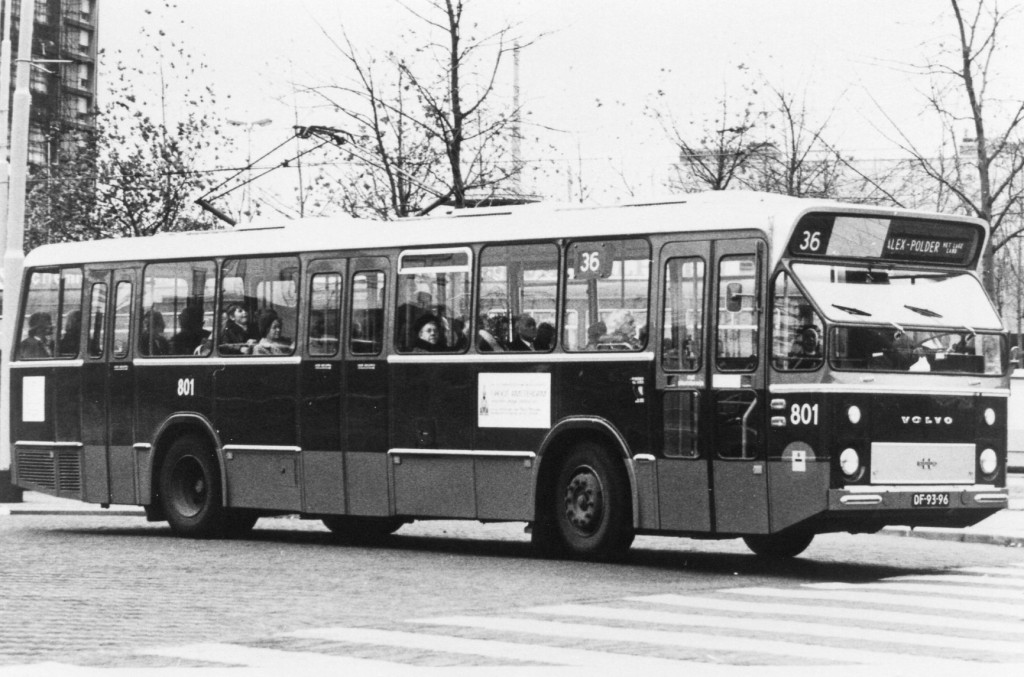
<point x="691" y="213"/>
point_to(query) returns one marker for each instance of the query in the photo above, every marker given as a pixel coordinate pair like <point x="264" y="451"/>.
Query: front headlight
<point x="849" y="463"/>
<point x="988" y="462"/>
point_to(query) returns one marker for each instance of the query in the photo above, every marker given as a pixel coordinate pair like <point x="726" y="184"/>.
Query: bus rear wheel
<point x="190" y="491"/>
<point x="362" y="529"/>
<point x="782" y="545"/>
<point x="592" y="508"/>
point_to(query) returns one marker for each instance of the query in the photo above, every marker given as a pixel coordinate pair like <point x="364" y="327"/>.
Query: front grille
<point x="917" y="463"/>
<point x="50" y="470"/>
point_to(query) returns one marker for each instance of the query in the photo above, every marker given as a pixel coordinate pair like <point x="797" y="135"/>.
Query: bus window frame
<point x="469" y="268"/>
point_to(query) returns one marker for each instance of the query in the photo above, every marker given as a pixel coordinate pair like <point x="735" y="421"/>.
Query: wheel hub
<point x="584" y="501"/>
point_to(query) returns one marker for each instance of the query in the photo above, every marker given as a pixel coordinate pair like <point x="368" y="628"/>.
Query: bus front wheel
<point x="592" y="507"/>
<point x="782" y="545"/>
<point x="190" y="491"/>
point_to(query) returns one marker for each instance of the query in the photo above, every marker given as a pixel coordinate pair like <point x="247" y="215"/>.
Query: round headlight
<point x="853" y="413"/>
<point x="849" y="462"/>
<point x="988" y="461"/>
<point x="990" y="416"/>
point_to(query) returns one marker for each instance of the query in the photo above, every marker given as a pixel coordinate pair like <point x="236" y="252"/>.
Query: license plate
<point x="931" y="499"/>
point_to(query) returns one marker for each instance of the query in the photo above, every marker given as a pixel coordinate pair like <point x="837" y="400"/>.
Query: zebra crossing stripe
<point x="927" y="589"/>
<point x="280" y="662"/>
<point x="963" y="579"/>
<point x="874" y="616"/>
<point x="491" y="648"/>
<point x="886" y="600"/>
<point x="827" y="655"/>
<point x="792" y="629"/>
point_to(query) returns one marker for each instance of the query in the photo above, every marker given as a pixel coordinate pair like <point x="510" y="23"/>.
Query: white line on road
<point x="794" y="630"/>
<point x="957" y="579"/>
<point x="492" y="648"/>
<point x="981" y="609"/>
<point x="688" y="640"/>
<point x="280" y="662"/>
<point x="994" y="571"/>
<point x="874" y="616"/>
<point x="927" y="589"/>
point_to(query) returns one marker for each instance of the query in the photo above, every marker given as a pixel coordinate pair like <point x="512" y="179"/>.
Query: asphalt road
<point x="93" y="591"/>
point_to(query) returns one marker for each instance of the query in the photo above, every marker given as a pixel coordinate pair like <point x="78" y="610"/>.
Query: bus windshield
<point x="906" y="320"/>
<point x="863" y="295"/>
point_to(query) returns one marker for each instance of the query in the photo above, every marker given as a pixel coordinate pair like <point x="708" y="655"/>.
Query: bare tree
<point x="714" y="152"/>
<point x="794" y="158"/>
<point x="429" y="128"/>
<point x="981" y="175"/>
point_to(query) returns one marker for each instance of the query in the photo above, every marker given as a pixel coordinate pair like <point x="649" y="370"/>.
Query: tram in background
<point x="728" y="365"/>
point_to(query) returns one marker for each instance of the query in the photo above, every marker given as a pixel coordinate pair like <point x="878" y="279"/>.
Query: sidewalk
<point x="1005" y="528"/>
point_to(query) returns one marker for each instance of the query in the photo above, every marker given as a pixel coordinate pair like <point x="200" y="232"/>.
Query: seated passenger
<point x="428" y="335"/>
<point x="595" y="335"/>
<point x="37" y="345"/>
<point x="68" y="345"/>
<point x="458" y="341"/>
<point x="236" y="338"/>
<point x="805" y="353"/>
<point x="621" y="331"/>
<point x="191" y="335"/>
<point x="526" y="334"/>
<point x="545" y="336"/>
<point x="271" y="343"/>
<point x="493" y="333"/>
<point x="151" y="338"/>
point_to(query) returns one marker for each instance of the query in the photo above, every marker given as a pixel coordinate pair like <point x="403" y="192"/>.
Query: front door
<point x="736" y="394"/>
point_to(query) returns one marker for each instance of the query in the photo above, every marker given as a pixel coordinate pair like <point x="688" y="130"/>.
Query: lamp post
<point x="14" y="242"/>
<point x="249" y="124"/>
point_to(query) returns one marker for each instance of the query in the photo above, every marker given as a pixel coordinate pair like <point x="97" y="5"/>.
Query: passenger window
<point x="52" y="324"/>
<point x="433" y="301"/>
<point x="683" y="323"/>
<point x="736" y="348"/>
<point x="797" y="330"/>
<point x="606" y="295"/>
<point x="367" y="321"/>
<point x="122" y="318"/>
<point x="97" y="319"/>
<point x="518" y="291"/>
<point x="259" y="306"/>
<point x="178" y="297"/>
<point x="324" y="314"/>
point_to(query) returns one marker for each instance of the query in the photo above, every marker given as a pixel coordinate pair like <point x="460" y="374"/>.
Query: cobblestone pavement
<point x="116" y="593"/>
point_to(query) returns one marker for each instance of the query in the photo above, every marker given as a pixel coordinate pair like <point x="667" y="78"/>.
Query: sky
<point x="590" y="70"/>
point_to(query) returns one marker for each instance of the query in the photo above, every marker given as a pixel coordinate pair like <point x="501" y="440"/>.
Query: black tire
<point x="782" y="545"/>
<point x="591" y="507"/>
<point x="362" y="529"/>
<point x="190" y="490"/>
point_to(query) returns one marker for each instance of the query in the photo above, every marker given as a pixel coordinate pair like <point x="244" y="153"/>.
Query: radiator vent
<point x="50" y="470"/>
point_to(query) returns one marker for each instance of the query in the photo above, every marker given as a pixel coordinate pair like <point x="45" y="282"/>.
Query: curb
<point x="957" y="535"/>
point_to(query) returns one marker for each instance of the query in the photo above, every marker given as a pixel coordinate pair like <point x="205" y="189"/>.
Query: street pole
<point x="5" y="126"/>
<point x="14" y="255"/>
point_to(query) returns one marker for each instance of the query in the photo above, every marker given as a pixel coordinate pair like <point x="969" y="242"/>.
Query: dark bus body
<point x="699" y="419"/>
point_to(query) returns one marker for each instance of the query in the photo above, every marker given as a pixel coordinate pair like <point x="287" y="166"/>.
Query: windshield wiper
<point x="851" y="311"/>
<point x="922" y="311"/>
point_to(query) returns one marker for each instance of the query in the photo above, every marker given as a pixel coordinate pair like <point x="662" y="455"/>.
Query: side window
<point x="606" y="295"/>
<point x="518" y="292"/>
<point x="433" y="301"/>
<point x="122" y="318"/>
<point x="97" y="319"/>
<point x="324" y="315"/>
<point x="177" y="301"/>
<point x="259" y="301"/>
<point x="683" y="322"/>
<point x="367" y="321"/>
<point x="736" y="348"/>
<point x="797" y="330"/>
<point x="52" y="324"/>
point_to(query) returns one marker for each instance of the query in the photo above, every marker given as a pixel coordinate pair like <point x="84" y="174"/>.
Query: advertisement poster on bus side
<point x="514" y="401"/>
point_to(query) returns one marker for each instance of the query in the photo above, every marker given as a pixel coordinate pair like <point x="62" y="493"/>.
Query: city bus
<point x="726" y="365"/>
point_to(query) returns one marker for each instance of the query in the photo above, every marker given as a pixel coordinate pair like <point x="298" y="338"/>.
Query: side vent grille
<point x="49" y="470"/>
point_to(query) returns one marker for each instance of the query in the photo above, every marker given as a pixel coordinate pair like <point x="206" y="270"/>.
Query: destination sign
<point x="890" y="239"/>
